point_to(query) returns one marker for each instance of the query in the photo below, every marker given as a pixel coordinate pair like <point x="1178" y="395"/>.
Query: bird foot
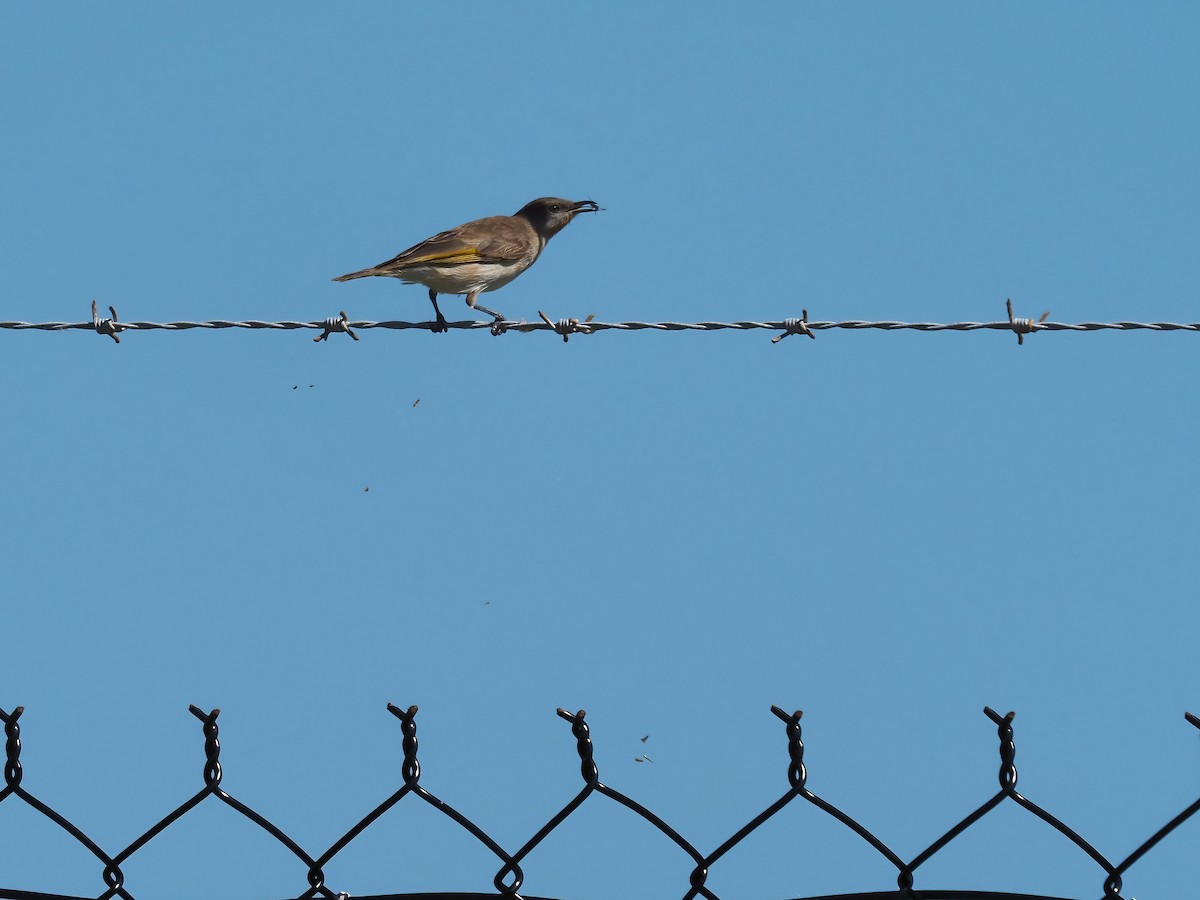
<point x="500" y="325"/>
<point x="440" y="326"/>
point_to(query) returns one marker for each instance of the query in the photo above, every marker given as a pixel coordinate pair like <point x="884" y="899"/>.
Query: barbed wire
<point x="510" y="877"/>
<point x="113" y="327"/>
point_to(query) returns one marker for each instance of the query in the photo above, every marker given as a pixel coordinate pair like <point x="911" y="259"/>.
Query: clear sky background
<point x="671" y="531"/>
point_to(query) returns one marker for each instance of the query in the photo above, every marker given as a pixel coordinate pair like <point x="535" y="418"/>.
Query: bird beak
<point x="585" y="206"/>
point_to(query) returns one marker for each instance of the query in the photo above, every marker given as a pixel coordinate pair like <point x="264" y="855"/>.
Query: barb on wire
<point x="107" y="326"/>
<point x="1024" y="326"/>
<point x="339" y="324"/>
<point x="795" y="326"/>
<point x="568" y="327"/>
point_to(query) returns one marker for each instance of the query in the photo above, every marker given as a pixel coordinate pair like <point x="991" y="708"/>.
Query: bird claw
<point x="500" y="325"/>
<point x="440" y="326"/>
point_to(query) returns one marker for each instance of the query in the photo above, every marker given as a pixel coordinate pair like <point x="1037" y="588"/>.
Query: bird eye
<point x="554" y="207"/>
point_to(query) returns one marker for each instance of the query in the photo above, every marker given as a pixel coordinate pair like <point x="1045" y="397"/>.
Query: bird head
<point x="550" y="215"/>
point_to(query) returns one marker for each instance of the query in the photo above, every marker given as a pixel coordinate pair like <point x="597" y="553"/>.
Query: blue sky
<point x="671" y="531"/>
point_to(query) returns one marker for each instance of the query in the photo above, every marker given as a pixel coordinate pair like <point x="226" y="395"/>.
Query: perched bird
<point x="480" y="256"/>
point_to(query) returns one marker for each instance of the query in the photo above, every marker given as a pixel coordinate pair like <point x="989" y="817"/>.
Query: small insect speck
<point x="367" y="488"/>
<point x="415" y="402"/>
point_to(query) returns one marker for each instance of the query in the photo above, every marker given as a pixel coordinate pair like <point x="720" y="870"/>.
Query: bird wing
<point x="495" y="239"/>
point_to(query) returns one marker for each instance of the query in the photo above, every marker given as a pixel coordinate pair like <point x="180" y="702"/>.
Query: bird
<point x="480" y="256"/>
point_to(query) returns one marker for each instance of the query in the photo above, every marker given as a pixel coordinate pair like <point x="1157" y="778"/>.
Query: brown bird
<point x="480" y="256"/>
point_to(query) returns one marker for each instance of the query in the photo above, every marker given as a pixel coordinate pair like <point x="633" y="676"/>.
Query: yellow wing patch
<point x="469" y="254"/>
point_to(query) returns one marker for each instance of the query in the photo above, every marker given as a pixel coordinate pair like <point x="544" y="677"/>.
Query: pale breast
<point x="463" y="278"/>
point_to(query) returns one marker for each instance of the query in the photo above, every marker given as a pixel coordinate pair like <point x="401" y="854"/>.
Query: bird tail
<point x="363" y="273"/>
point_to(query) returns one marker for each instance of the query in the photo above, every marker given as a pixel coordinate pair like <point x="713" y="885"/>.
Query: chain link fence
<point x="510" y="877"/>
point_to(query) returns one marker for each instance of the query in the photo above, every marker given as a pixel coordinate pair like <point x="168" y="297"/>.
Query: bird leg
<point x="472" y="299"/>
<point x="499" y="317"/>
<point x="440" y="326"/>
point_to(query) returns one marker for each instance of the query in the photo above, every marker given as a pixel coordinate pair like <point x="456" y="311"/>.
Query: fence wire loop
<point x="339" y="324"/>
<point x="583" y="745"/>
<point x="1023" y="327"/>
<point x="797" y="774"/>
<point x="12" y="748"/>
<point x="111" y="327"/>
<point x="795" y="326"/>
<point x="212" y="745"/>
<point x="411" y="768"/>
<point x="1008" y="748"/>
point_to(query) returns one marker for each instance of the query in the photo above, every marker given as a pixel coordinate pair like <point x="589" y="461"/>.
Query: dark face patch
<point x="549" y="215"/>
<point x="539" y="213"/>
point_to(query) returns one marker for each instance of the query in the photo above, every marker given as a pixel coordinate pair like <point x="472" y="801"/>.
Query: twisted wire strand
<point x="850" y="324"/>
